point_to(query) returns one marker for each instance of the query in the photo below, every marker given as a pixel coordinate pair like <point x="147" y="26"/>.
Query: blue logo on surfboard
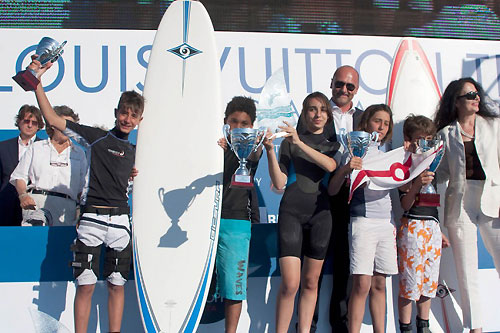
<point x="184" y="51"/>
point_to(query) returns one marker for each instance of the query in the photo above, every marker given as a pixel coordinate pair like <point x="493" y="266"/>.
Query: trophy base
<point x="26" y="80"/>
<point x="239" y="181"/>
<point x="427" y="200"/>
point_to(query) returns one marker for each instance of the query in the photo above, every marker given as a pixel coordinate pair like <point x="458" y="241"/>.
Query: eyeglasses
<point x="471" y="95"/>
<point x="341" y="84"/>
<point x="28" y="121"/>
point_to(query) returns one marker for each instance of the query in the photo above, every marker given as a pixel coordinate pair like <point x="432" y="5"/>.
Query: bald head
<point x="344" y="85"/>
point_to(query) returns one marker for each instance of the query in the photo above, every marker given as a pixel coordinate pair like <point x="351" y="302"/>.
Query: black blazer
<point x="10" y="211"/>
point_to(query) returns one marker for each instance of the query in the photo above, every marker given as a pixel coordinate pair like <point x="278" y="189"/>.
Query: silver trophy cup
<point x="357" y="142"/>
<point x="243" y="142"/>
<point x="48" y="50"/>
<point x="428" y="195"/>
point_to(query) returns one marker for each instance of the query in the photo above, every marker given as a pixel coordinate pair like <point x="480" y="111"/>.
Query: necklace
<point x="464" y="133"/>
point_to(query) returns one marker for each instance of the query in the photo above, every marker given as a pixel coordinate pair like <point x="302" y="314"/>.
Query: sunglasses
<point x="471" y="95"/>
<point x="341" y="84"/>
<point x="28" y="121"/>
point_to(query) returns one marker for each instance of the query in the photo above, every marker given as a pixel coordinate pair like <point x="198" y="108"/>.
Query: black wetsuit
<point x="111" y="158"/>
<point x="238" y="203"/>
<point x="305" y="222"/>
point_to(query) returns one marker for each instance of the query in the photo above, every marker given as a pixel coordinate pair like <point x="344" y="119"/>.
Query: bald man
<point x="344" y="85"/>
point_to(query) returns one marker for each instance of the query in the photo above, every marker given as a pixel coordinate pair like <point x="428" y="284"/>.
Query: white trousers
<point x="62" y="210"/>
<point x="463" y="239"/>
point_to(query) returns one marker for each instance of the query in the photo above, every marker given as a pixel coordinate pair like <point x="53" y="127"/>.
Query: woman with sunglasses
<point x="471" y="164"/>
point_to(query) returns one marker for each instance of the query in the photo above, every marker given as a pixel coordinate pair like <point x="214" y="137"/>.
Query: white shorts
<point x="372" y="246"/>
<point x="112" y="231"/>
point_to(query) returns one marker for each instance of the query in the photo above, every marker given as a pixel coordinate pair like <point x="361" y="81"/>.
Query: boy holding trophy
<point x="105" y="212"/>
<point x="419" y="237"/>
<point x="239" y="205"/>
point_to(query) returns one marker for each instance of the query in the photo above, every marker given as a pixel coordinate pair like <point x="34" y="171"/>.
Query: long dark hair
<point x="369" y="113"/>
<point x="447" y="110"/>
<point x="328" y="130"/>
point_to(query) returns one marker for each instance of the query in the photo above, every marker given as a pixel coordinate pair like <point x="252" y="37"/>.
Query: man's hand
<point x="27" y="201"/>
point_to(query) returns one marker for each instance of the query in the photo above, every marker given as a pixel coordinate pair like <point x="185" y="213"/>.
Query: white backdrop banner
<point x="98" y="65"/>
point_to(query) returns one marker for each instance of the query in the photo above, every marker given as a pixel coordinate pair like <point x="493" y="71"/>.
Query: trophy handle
<point x="342" y="138"/>
<point x="374" y="136"/>
<point x="227" y="132"/>
<point x="262" y="132"/>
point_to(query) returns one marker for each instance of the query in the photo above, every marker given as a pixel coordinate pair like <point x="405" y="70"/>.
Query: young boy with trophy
<point x="105" y="212"/>
<point x="419" y="238"/>
<point x="239" y="204"/>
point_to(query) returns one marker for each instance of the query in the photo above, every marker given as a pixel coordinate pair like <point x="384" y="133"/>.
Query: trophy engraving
<point x="357" y="142"/>
<point x="428" y="195"/>
<point x="48" y="50"/>
<point x="243" y="142"/>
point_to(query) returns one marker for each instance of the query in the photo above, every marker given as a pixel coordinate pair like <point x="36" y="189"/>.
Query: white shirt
<point x="50" y="171"/>
<point x="342" y="119"/>
<point x="22" y="147"/>
<point x="372" y="203"/>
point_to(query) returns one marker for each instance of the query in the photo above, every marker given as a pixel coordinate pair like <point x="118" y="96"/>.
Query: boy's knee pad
<point x="85" y="257"/>
<point x="118" y="261"/>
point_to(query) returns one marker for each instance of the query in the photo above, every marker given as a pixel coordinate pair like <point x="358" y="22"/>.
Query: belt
<point x="111" y="211"/>
<point x="55" y="194"/>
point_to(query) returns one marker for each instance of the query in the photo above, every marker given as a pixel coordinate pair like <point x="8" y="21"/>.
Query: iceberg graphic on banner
<point x="275" y="104"/>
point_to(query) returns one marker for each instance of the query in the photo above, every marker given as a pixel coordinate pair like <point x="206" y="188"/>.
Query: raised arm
<point x="324" y="162"/>
<point x="43" y="102"/>
<point x="278" y="178"/>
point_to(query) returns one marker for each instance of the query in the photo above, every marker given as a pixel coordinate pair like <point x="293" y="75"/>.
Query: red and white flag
<point x="391" y="169"/>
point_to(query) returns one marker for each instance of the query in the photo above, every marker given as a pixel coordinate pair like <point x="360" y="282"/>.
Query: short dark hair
<point x="447" y="109"/>
<point x="419" y="123"/>
<point x="131" y="99"/>
<point x="370" y="112"/>
<point x="29" y="109"/>
<point x="63" y="111"/>
<point x="242" y="104"/>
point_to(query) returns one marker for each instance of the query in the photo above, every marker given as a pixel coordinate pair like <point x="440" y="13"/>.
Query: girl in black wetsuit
<point x="304" y="223"/>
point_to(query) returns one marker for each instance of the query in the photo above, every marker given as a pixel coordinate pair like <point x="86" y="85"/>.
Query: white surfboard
<point x="412" y="88"/>
<point x="177" y="194"/>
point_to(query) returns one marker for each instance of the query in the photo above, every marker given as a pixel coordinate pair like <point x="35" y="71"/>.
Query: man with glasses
<point x="344" y="85"/>
<point x="28" y="121"/>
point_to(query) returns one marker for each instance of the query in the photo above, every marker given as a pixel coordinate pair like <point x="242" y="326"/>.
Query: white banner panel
<point x="98" y="64"/>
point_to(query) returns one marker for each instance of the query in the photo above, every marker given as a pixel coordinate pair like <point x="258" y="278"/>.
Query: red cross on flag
<point x="391" y="169"/>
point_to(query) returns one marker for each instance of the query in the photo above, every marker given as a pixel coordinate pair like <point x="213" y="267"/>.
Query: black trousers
<point x="338" y="254"/>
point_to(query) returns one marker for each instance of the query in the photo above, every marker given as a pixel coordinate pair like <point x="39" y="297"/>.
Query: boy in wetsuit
<point x="419" y="238"/>
<point x="239" y="205"/>
<point x="105" y="213"/>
